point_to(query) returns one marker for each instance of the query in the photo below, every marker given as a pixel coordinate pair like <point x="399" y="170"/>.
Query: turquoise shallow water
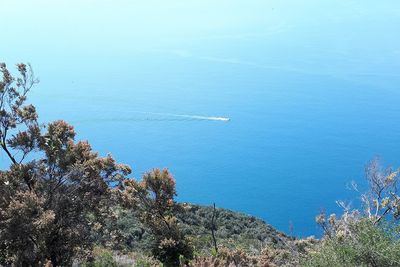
<point x="311" y="88"/>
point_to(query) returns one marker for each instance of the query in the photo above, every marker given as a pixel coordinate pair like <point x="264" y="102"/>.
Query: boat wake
<point x="196" y="117"/>
<point x="169" y="116"/>
<point x="154" y="116"/>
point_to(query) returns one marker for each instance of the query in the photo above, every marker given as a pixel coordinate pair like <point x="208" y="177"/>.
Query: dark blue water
<point x="312" y="90"/>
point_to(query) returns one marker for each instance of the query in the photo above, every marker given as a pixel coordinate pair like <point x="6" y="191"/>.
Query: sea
<point x="270" y="108"/>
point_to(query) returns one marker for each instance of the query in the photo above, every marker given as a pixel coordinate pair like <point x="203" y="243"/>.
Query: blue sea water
<point x="311" y="88"/>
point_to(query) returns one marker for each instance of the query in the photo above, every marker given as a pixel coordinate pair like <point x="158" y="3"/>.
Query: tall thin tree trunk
<point x="213" y="229"/>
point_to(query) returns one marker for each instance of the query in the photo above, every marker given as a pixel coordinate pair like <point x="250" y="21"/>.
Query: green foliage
<point x="365" y="244"/>
<point x="105" y="259"/>
<point x="123" y="231"/>
<point x="252" y="238"/>
<point x="234" y="230"/>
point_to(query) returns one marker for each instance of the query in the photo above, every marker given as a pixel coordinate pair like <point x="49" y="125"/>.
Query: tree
<point x="49" y="203"/>
<point x="153" y="196"/>
<point x="382" y="198"/>
<point x="212" y="226"/>
<point x="381" y="201"/>
<point x="367" y="236"/>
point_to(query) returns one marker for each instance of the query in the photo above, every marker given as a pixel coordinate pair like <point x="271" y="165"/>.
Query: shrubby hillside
<point x="232" y="228"/>
<point x="245" y="237"/>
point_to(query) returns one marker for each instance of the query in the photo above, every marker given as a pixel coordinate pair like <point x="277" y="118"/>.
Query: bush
<point x="56" y="191"/>
<point x="365" y="244"/>
<point x="103" y="259"/>
<point x="153" y="197"/>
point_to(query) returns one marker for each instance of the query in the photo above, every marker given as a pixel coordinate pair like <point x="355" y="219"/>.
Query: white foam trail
<point x="194" y="117"/>
<point x="210" y="118"/>
<point x="145" y="116"/>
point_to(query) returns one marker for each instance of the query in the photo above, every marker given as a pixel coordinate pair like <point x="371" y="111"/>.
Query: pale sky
<point x="43" y="30"/>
